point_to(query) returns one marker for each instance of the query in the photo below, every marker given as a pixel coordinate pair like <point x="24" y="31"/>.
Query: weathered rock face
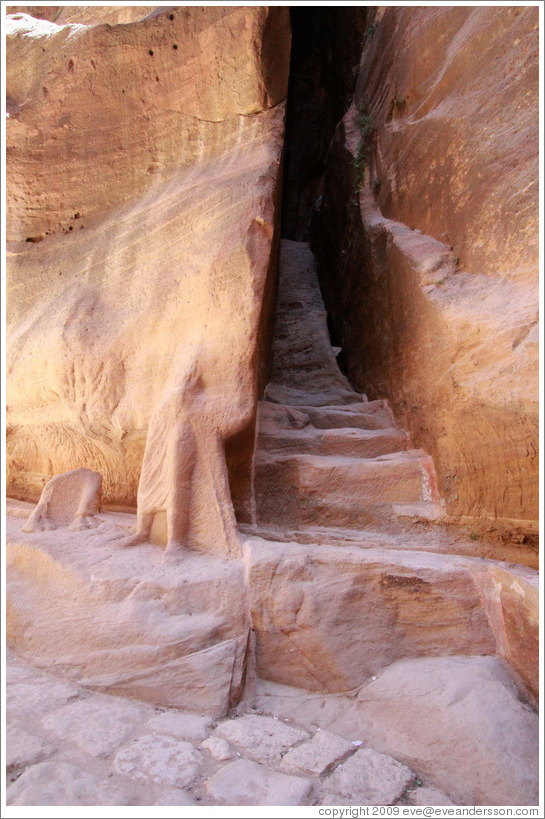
<point x="71" y="499"/>
<point x="144" y="162"/>
<point x="137" y="101"/>
<point x="511" y="600"/>
<point x="450" y="185"/>
<point x="428" y="702"/>
<point x="121" y="621"/>
<point x="143" y="168"/>
<point x="327" y="620"/>
<point x="453" y="93"/>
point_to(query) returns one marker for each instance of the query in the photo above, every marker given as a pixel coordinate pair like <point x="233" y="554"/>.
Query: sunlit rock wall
<point x="143" y="165"/>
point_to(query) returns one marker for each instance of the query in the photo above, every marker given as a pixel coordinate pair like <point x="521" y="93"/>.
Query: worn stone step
<point x="361" y="415"/>
<point x="326" y="617"/>
<point x="344" y="491"/>
<point x="313" y="395"/>
<point x="408" y="533"/>
<point x="358" y="443"/>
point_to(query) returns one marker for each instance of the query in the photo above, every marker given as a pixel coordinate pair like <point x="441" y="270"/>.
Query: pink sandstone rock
<point x="139" y="340"/>
<point x="71" y="499"/>
<point x="431" y="280"/>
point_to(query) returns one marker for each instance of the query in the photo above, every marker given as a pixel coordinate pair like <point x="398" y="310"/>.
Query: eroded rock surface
<point x="99" y="724"/>
<point x="308" y="611"/>
<point x="264" y="739"/>
<point x="429" y="796"/>
<point x="393" y="635"/>
<point x="511" y="600"/>
<point x="448" y="160"/>
<point x="457" y="722"/>
<point x="88" y="15"/>
<point x="439" y="713"/>
<point x="427" y="241"/>
<point x="370" y="778"/>
<point x="169" y="634"/>
<point x="71" y="499"/>
<point x="248" y="783"/>
<point x="323" y="752"/>
<point x="163" y="759"/>
<point x="62" y="783"/>
<point x="139" y="307"/>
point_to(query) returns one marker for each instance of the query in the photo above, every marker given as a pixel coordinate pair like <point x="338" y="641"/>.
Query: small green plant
<point x="474" y="536"/>
<point x="363" y="151"/>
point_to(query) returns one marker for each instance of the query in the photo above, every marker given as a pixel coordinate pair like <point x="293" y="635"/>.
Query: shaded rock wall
<point x="142" y="188"/>
<point x="430" y="271"/>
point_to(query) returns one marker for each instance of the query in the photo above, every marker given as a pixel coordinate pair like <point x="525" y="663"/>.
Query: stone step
<point x="313" y="395"/>
<point x="343" y="491"/>
<point x="273" y="416"/>
<point x="358" y="443"/>
<point x="406" y="533"/>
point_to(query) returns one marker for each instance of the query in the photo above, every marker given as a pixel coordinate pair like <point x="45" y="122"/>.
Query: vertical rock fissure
<point x="325" y="52"/>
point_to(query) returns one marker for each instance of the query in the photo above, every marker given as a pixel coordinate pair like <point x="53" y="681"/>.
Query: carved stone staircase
<point x="325" y="456"/>
<point x="333" y="469"/>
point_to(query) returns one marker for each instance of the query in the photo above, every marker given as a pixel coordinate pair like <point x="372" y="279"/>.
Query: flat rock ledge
<point x="170" y="634"/>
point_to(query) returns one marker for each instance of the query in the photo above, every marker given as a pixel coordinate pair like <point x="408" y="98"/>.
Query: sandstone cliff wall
<point x="427" y="236"/>
<point x="88" y="15"/>
<point x="143" y="164"/>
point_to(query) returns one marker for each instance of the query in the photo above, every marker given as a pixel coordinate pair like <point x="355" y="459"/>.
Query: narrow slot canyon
<point x="272" y="410"/>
